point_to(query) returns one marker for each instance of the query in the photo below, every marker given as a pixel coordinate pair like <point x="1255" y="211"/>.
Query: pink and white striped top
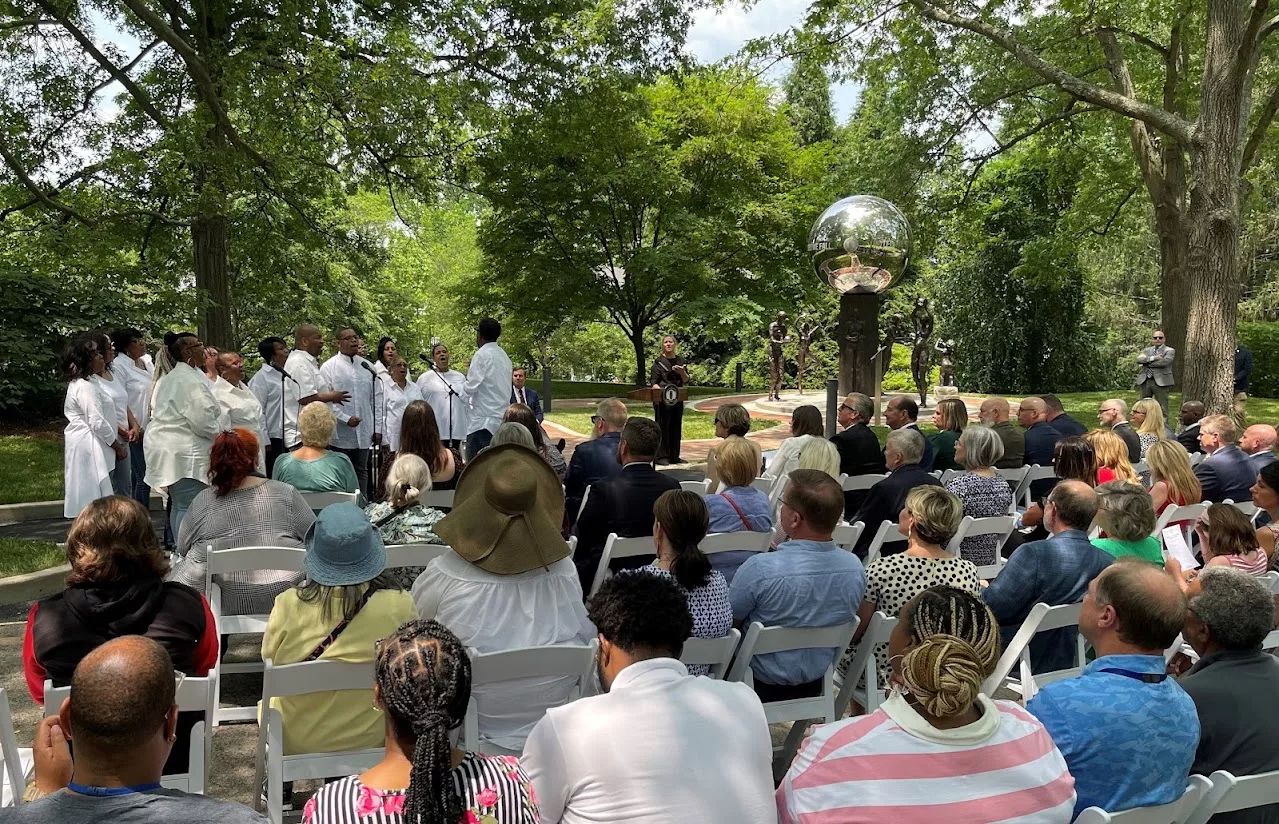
<point x="893" y="766"/>
<point x="1254" y="563"/>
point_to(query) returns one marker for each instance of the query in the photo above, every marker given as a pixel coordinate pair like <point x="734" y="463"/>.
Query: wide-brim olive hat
<point x="507" y="509"/>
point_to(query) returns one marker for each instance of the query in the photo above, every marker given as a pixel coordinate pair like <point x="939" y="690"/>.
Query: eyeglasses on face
<point x="847" y="408"/>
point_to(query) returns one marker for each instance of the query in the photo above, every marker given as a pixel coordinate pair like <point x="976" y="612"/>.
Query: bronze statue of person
<point x="894" y="332"/>
<point x="808" y="331"/>
<point x="920" y="357"/>
<point x="777" y="338"/>
<point x="947" y="350"/>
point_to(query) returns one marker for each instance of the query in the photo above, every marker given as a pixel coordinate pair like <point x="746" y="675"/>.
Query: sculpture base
<point x="943" y="392"/>
<point x="858" y="336"/>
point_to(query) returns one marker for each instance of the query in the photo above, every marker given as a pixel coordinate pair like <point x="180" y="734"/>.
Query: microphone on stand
<point x="422" y="356"/>
<point x="284" y="372"/>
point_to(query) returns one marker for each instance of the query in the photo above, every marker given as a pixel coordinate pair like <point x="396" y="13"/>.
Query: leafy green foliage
<point x="1263" y="340"/>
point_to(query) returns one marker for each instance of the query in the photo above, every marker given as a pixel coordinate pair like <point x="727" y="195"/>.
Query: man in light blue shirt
<point x="1128" y="731"/>
<point x="807" y="581"/>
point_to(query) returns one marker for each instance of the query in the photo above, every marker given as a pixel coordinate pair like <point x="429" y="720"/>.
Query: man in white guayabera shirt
<point x="356" y="432"/>
<point x="487" y="388"/>
<point x="302" y="366"/>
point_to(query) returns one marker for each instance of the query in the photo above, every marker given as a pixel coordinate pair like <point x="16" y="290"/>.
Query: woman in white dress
<point x="127" y="428"/>
<point x="240" y="406"/>
<point x="90" y="449"/>
<point x="396" y="395"/>
<point x="132" y="366"/>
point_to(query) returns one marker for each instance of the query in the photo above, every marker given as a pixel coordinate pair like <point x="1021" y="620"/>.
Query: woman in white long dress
<point x="127" y="428"/>
<point x="90" y="449"/>
<point x="133" y="367"/>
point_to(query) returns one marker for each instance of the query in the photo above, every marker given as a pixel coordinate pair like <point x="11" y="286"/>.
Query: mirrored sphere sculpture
<point x="860" y="244"/>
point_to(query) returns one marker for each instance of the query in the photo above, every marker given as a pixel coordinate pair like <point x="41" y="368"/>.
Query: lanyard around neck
<point x="1147" y="677"/>
<point x="109" y="792"/>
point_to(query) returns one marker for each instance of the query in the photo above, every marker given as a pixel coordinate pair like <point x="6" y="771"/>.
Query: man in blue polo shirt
<point x="807" y="582"/>
<point x="1128" y="732"/>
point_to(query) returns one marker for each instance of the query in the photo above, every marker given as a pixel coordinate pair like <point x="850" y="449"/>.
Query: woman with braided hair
<point x="936" y="727"/>
<point x="423" y="685"/>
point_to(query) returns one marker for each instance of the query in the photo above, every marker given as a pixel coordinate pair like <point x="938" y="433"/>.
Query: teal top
<point x="331" y="473"/>
<point x="1147" y="549"/>
<point x="944" y="450"/>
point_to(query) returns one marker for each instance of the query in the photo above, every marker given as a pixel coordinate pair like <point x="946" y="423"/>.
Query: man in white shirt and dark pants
<point x="660" y="745"/>
<point x="487" y="388"/>
<point x="273" y="389"/>
<point x="356" y="431"/>
<point x="441" y="387"/>
<point x="304" y="368"/>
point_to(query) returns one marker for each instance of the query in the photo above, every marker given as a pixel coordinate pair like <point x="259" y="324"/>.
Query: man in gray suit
<point x="1154" y="374"/>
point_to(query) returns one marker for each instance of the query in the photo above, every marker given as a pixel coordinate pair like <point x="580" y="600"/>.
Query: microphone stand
<point x="452" y="394"/>
<point x="376" y="459"/>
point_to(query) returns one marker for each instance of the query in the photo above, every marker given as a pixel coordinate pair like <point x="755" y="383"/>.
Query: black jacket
<point x="593" y="461"/>
<point x="1226" y="473"/>
<point x="1131" y="440"/>
<point x="621" y="504"/>
<point x="1189" y="438"/>
<point x="859" y="454"/>
<point x="885" y="500"/>
<point x="1067" y="426"/>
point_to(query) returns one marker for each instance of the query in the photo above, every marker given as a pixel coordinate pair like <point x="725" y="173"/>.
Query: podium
<point x="651" y="395"/>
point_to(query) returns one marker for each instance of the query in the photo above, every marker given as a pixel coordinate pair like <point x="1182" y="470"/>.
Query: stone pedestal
<point x="943" y="392"/>
<point x="858" y="341"/>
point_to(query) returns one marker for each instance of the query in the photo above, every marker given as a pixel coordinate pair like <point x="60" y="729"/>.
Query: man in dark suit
<point x="1114" y="414"/>
<point x="595" y="460"/>
<point x="857" y="446"/>
<point x="1191" y="413"/>
<point x="623" y="503"/>
<point x="525" y="395"/>
<point x="885" y="499"/>
<point x="1258" y="443"/>
<point x="903" y="413"/>
<point x="1226" y="472"/>
<point x="1060" y="421"/>
<point x="1041" y="441"/>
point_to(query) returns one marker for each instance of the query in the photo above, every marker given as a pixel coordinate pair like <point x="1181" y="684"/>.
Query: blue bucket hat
<point x="343" y="548"/>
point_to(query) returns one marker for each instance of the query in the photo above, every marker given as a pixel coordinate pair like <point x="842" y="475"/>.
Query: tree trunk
<point x="1175" y="283"/>
<point x="637" y="341"/>
<point x="209" y="242"/>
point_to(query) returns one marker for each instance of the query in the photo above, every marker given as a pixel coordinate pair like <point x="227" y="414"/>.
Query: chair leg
<point x="793" y="740"/>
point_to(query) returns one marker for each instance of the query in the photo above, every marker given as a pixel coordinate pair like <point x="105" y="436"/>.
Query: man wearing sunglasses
<point x="595" y="460"/>
<point x="858" y="448"/>
<point x="1154" y="371"/>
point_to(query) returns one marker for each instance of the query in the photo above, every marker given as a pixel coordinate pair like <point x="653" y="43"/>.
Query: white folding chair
<point x="852" y="483"/>
<point x="242" y="559"/>
<point x="847" y="535"/>
<point x="887" y="533"/>
<point x="763" y="484"/>
<point x="1246" y="507"/>
<point x="319" y="500"/>
<point x="1011" y="655"/>
<point x="192" y="695"/>
<point x="1271" y="580"/>
<point x="1034" y="472"/>
<point x="700" y="487"/>
<point x="1173" y="513"/>
<point x="1030" y="682"/>
<point x="947" y="475"/>
<point x="1177" y="812"/>
<point x="18" y="762"/>
<point x="412" y="555"/>
<point x="761" y="640"/>
<point x="1000" y="526"/>
<point x="554" y="661"/>
<point x="716" y="653"/>
<point x="735" y="542"/>
<point x="1196" y="458"/>
<point x="616" y="547"/>
<point x="586" y="493"/>
<point x="439" y="499"/>
<point x="1229" y="794"/>
<point x="1141" y="468"/>
<point x="304" y="678"/>
<point x="869" y="697"/>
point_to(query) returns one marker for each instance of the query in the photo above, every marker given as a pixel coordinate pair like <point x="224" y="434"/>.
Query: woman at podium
<point x="669" y="376"/>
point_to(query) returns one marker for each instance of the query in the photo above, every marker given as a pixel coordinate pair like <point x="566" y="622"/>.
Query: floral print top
<point x="494" y="790"/>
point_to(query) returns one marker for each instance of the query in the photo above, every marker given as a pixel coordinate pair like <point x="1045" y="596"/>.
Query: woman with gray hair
<point x="402" y="518"/>
<point x="1126" y="516"/>
<point x="511" y="432"/>
<point x="980" y="489"/>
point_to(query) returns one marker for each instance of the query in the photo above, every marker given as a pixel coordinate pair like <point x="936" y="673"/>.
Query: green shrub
<point x="1263" y="340"/>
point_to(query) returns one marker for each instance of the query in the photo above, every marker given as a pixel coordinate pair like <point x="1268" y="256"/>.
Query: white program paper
<point x="1175" y="547"/>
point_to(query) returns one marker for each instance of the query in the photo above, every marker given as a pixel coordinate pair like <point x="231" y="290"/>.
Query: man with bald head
<point x="1113" y="413"/>
<point x="1041" y="436"/>
<point x="994" y="413"/>
<point x="1154" y="370"/>
<point x="122" y="719"/>
<point x="1128" y="732"/>
<point x="1258" y="443"/>
<point x="304" y="367"/>
<point x="1192" y="413"/>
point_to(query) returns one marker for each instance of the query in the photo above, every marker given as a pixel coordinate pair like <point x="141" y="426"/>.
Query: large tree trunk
<point x="637" y="340"/>
<point x="209" y="243"/>
<point x="1174" y="283"/>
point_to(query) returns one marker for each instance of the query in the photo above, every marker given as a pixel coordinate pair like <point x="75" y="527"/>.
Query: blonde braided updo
<point x="956" y="646"/>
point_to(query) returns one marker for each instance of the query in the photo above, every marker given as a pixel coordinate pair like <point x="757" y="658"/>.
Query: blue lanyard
<point x="108" y="792"/>
<point x="1147" y="677"/>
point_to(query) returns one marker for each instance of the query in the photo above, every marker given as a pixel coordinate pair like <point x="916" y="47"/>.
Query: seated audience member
<point x="623" y="503"/>
<point x="1128" y="731"/>
<point x="857" y="445"/>
<point x="1192" y="413"/>
<point x="950" y="417"/>
<point x="1226" y="472"/>
<point x="1054" y="571"/>
<point x="1265" y="495"/>
<point x="402" y="518"/>
<point x="679" y="525"/>
<point x="994" y="412"/>
<point x="1113" y="416"/>
<point x="808" y="581"/>
<point x="312" y="467"/>
<point x="420" y="435"/>
<point x="508" y="581"/>
<point x="1041" y="437"/>
<point x="980" y="489"/>
<point x="731" y="421"/>
<point x="1063" y="423"/>
<point x="740" y="507"/>
<point x="1127" y="519"/>
<point x="1173" y="479"/>
<point x="1112" y="457"/>
<point x="1233" y="682"/>
<point x="821" y="455"/>
<point x="805" y="426"/>
<point x="595" y="460"/>
<point x="1073" y="460"/>
<point x="1148" y="419"/>
<point x="903" y="413"/>
<point x="524" y="415"/>
<point x="929" y="519"/>
<point x="422" y="682"/>
<point x="1226" y="539"/>
<point x="1258" y="443"/>
<point x="937" y="737"/>
<point x="348" y="602"/>
<point x="510" y="432"/>
<point x="241" y="509"/>
<point x="885" y="499"/>
<point x="659" y="745"/>
<point x="123" y="718"/>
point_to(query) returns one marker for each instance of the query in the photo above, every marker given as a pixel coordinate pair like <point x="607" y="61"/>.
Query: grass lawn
<point x="30" y="469"/>
<point x="19" y="556"/>
<point x="570" y="390"/>
<point x="697" y="425"/>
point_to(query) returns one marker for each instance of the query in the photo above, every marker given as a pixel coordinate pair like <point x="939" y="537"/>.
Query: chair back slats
<point x="733" y="542"/>
<point x="715" y="653"/>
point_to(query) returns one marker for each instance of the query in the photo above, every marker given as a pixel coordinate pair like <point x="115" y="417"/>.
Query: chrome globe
<point x="860" y="244"/>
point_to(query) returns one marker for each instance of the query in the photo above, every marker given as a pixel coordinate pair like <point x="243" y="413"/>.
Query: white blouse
<point x="137" y="381"/>
<point x="87" y="455"/>
<point x="241" y="408"/>
<point x="185" y="418"/>
<point x="392" y="411"/>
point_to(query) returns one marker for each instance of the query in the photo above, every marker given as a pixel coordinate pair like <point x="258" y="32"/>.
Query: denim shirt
<point x="723" y="518"/>
<point x="1128" y="743"/>
<point x="800" y="584"/>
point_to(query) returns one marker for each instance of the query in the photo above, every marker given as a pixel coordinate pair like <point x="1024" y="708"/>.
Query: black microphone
<point x="283" y="372"/>
<point x="365" y="364"/>
<point x="422" y="356"/>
